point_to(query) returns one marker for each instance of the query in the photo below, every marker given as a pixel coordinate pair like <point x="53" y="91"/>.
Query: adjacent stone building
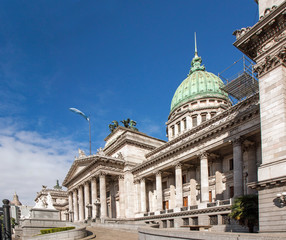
<point x="215" y="151"/>
<point x="59" y="198"/>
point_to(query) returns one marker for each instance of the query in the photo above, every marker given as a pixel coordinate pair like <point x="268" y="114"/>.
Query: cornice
<point x="250" y="40"/>
<point x="225" y="121"/>
<point x="186" y="213"/>
<point x="270" y="183"/>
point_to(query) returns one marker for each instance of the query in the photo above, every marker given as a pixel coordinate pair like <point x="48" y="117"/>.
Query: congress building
<point x="217" y="148"/>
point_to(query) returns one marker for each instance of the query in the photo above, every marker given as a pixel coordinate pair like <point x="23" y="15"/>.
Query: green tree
<point x="245" y="211"/>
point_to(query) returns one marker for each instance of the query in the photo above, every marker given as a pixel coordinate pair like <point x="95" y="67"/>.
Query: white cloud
<point x="29" y="160"/>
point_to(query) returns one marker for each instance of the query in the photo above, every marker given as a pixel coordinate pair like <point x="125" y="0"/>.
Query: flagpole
<point x="89" y="137"/>
<point x="86" y="118"/>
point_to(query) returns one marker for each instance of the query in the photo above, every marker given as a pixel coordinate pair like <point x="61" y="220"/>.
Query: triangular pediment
<point x="78" y="166"/>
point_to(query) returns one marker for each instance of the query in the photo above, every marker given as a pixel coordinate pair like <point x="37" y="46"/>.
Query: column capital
<point x="237" y="141"/>
<point x="136" y="181"/>
<point x="203" y="154"/>
<point x="121" y="177"/>
<point x="94" y="177"/>
<point x="142" y="180"/>
<point x="159" y="173"/>
<point x="102" y="174"/>
<point x="177" y="165"/>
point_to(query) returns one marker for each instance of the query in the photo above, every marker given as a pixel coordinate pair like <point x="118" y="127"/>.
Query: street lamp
<point x="86" y="118"/>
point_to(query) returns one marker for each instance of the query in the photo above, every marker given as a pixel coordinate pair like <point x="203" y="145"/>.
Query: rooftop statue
<point x="113" y="125"/>
<point x="57" y="186"/>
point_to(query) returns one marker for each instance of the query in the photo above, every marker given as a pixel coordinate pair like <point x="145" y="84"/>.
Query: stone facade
<point x="214" y="153"/>
<point x="265" y="43"/>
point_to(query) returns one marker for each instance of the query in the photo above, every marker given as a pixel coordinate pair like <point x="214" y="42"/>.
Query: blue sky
<point x="111" y="59"/>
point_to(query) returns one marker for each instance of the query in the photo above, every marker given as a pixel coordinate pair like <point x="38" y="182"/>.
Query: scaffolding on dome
<point x="241" y="83"/>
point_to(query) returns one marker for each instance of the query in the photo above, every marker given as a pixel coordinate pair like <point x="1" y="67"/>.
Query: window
<point x="179" y="127"/>
<point x="164" y="185"/>
<point x="185" y="221"/>
<point x="195" y="221"/>
<point x="213" y="114"/>
<point x="231" y="192"/>
<point x="194" y="121"/>
<point x="184" y="178"/>
<point x="171" y="223"/>
<point x="173" y="131"/>
<point x="204" y="117"/>
<point x="185" y="123"/>
<point x="164" y="223"/>
<point x="165" y="205"/>
<point x="213" y="220"/>
<point x="185" y="201"/>
<point x="230" y="164"/>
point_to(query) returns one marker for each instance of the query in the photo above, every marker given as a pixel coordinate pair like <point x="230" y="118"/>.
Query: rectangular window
<point x="171" y="223"/>
<point x="213" y="114"/>
<point x="195" y="221"/>
<point x="173" y="131"/>
<point x="210" y="196"/>
<point x="165" y="205"/>
<point x="184" y="179"/>
<point x="230" y="164"/>
<point x="179" y="127"/>
<point x="185" y="123"/>
<point x="231" y="192"/>
<point x="164" y="185"/>
<point x="194" y="121"/>
<point x="213" y="220"/>
<point x="185" y="201"/>
<point x="186" y="221"/>
<point x="204" y="117"/>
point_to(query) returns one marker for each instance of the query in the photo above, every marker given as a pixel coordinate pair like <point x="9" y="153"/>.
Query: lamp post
<point x="86" y="118"/>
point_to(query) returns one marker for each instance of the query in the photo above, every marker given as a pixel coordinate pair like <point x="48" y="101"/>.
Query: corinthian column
<point x="75" y="205"/>
<point x="121" y="196"/>
<point x="204" y="177"/>
<point x="86" y="198"/>
<point x="237" y="168"/>
<point x="80" y="203"/>
<point x="159" y="191"/>
<point x="71" y="210"/>
<point x="179" y="185"/>
<point x="143" y="195"/>
<point x="93" y="196"/>
<point x="103" y="205"/>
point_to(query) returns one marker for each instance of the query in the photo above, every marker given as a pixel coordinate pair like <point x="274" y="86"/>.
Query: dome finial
<point x="197" y="61"/>
<point x="196" y="50"/>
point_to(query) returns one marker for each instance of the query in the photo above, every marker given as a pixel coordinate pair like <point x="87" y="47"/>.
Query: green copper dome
<point x="199" y="84"/>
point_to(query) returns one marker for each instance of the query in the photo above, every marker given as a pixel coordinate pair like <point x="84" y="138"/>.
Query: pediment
<point x="77" y="166"/>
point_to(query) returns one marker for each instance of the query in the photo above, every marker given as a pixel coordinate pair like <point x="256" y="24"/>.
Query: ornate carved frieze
<point x="267" y="33"/>
<point x="271" y="62"/>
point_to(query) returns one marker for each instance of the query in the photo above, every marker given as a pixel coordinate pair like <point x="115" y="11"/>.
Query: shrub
<point x="53" y="230"/>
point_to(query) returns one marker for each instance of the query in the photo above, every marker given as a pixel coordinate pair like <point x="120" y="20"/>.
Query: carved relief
<point x="270" y="62"/>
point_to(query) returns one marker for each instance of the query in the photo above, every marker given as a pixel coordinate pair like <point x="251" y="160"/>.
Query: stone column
<point x="252" y="166"/>
<point x="71" y="210"/>
<point x="121" y="196"/>
<point x="179" y="185"/>
<point x="159" y="191"/>
<point x="193" y="187"/>
<point x="86" y="198"/>
<point x="75" y="205"/>
<point x="80" y="203"/>
<point x="204" y="177"/>
<point x="218" y="179"/>
<point x="143" y="195"/>
<point x="103" y="204"/>
<point x="93" y="196"/>
<point x="137" y="196"/>
<point x="237" y="168"/>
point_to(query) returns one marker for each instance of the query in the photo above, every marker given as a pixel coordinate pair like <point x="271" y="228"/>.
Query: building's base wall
<point x="272" y="215"/>
<point x="164" y="234"/>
